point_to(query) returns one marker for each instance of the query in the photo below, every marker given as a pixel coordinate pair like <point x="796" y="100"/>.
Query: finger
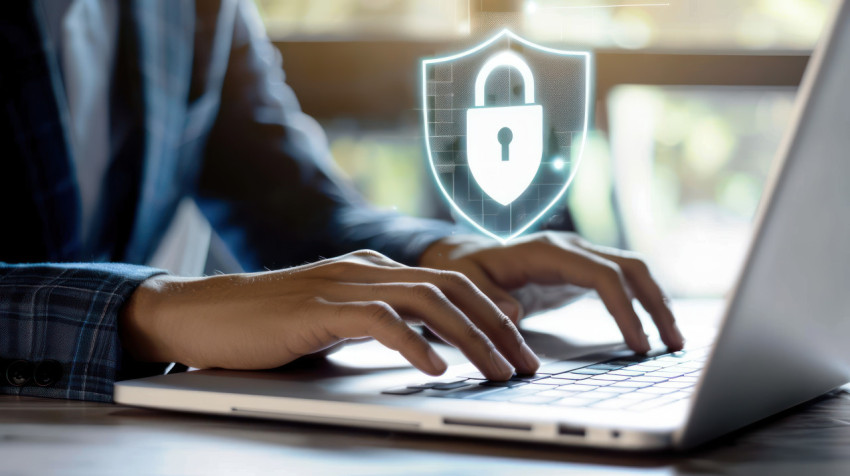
<point x="480" y="310"/>
<point x="424" y="301"/>
<point x="461" y="292"/>
<point x="548" y="264"/>
<point x="647" y="291"/>
<point x="486" y="315"/>
<point x="379" y="320"/>
<point x="610" y="284"/>
<point x="503" y="299"/>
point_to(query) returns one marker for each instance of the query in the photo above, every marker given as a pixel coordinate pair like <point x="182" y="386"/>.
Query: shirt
<point x="83" y="33"/>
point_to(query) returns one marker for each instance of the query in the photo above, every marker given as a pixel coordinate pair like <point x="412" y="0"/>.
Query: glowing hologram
<point x="491" y="154"/>
<point x="504" y="58"/>
<point x="558" y="163"/>
<point x="504" y="145"/>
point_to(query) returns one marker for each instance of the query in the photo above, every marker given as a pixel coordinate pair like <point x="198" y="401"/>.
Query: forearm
<point x="161" y="323"/>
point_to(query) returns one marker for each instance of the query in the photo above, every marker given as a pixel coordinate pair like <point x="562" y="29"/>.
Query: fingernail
<point x="679" y="335"/>
<point x="501" y="367"/>
<point x="641" y="346"/>
<point x="673" y="338"/>
<point x="437" y="362"/>
<point x="531" y="361"/>
<point x="510" y="309"/>
<point x="644" y="342"/>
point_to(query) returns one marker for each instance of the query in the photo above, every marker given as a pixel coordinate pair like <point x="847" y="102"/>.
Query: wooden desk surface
<point x="44" y="436"/>
<point x="41" y="436"/>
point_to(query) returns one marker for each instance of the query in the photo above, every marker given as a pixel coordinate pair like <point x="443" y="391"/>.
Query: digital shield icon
<point x="504" y="144"/>
<point x="505" y="126"/>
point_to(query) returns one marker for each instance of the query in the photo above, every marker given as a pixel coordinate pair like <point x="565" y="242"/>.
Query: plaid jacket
<point x="201" y="110"/>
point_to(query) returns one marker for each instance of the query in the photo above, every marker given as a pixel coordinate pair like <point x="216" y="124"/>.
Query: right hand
<point x="264" y="320"/>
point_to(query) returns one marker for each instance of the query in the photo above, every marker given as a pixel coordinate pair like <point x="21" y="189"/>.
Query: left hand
<point x="561" y="258"/>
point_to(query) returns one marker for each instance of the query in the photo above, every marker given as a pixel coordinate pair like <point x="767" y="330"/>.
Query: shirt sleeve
<point x="269" y="185"/>
<point x="59" y="329"/>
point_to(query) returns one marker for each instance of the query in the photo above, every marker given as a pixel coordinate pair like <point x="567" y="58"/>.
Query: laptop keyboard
<point x="636" y="383"/>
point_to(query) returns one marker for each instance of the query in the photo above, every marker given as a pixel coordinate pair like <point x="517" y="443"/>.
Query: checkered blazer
<point x="199" y="108"/>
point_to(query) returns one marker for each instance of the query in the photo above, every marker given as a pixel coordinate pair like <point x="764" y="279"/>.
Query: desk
<point x="40" y="436"/>
<point x="43" y="436"/>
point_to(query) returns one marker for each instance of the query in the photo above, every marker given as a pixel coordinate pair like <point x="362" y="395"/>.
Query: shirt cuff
<point x="67" y="313"/>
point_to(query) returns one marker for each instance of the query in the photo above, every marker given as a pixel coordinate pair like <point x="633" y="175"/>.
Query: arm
<point x="41" y="321"/>
<point x="269" y="186"/>
<point x="262" y="320"/>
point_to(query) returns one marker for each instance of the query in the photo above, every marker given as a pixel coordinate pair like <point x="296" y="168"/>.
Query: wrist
<point x="139" y="322"/>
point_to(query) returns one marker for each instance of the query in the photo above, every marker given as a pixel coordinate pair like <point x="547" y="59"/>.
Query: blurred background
<point x="691" y="100"/>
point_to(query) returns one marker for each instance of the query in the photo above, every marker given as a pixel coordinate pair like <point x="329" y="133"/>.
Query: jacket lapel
<point x="165" y="33"/>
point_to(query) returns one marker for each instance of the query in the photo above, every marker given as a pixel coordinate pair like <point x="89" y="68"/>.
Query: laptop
<point x="782" y="339"/>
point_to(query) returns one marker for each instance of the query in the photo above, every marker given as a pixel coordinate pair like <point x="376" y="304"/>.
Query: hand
<point x="264" y="320"/>
<point x="561" y="258"/>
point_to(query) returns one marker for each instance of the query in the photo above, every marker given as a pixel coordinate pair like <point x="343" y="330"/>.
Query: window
<point x="679" y="24"/>
<point x="352" y="19"/>
<point x="689" y="166"/>
<point x="629" y="24"/>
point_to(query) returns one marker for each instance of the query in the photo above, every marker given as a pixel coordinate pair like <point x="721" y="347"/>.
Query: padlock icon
<point x="504" y="145"/>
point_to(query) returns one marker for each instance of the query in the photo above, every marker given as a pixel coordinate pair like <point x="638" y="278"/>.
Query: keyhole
<point x="505" y="137"/>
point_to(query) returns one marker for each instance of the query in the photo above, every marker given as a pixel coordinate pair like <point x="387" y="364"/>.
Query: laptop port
<point x="569" y="430"/>
<point x="487" y="424"/>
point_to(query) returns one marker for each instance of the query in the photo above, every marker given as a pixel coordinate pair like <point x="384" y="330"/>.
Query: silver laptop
<point x="782" y="341"/>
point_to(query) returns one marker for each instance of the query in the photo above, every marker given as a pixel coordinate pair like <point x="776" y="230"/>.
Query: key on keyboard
<point x="632" y="383"/>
